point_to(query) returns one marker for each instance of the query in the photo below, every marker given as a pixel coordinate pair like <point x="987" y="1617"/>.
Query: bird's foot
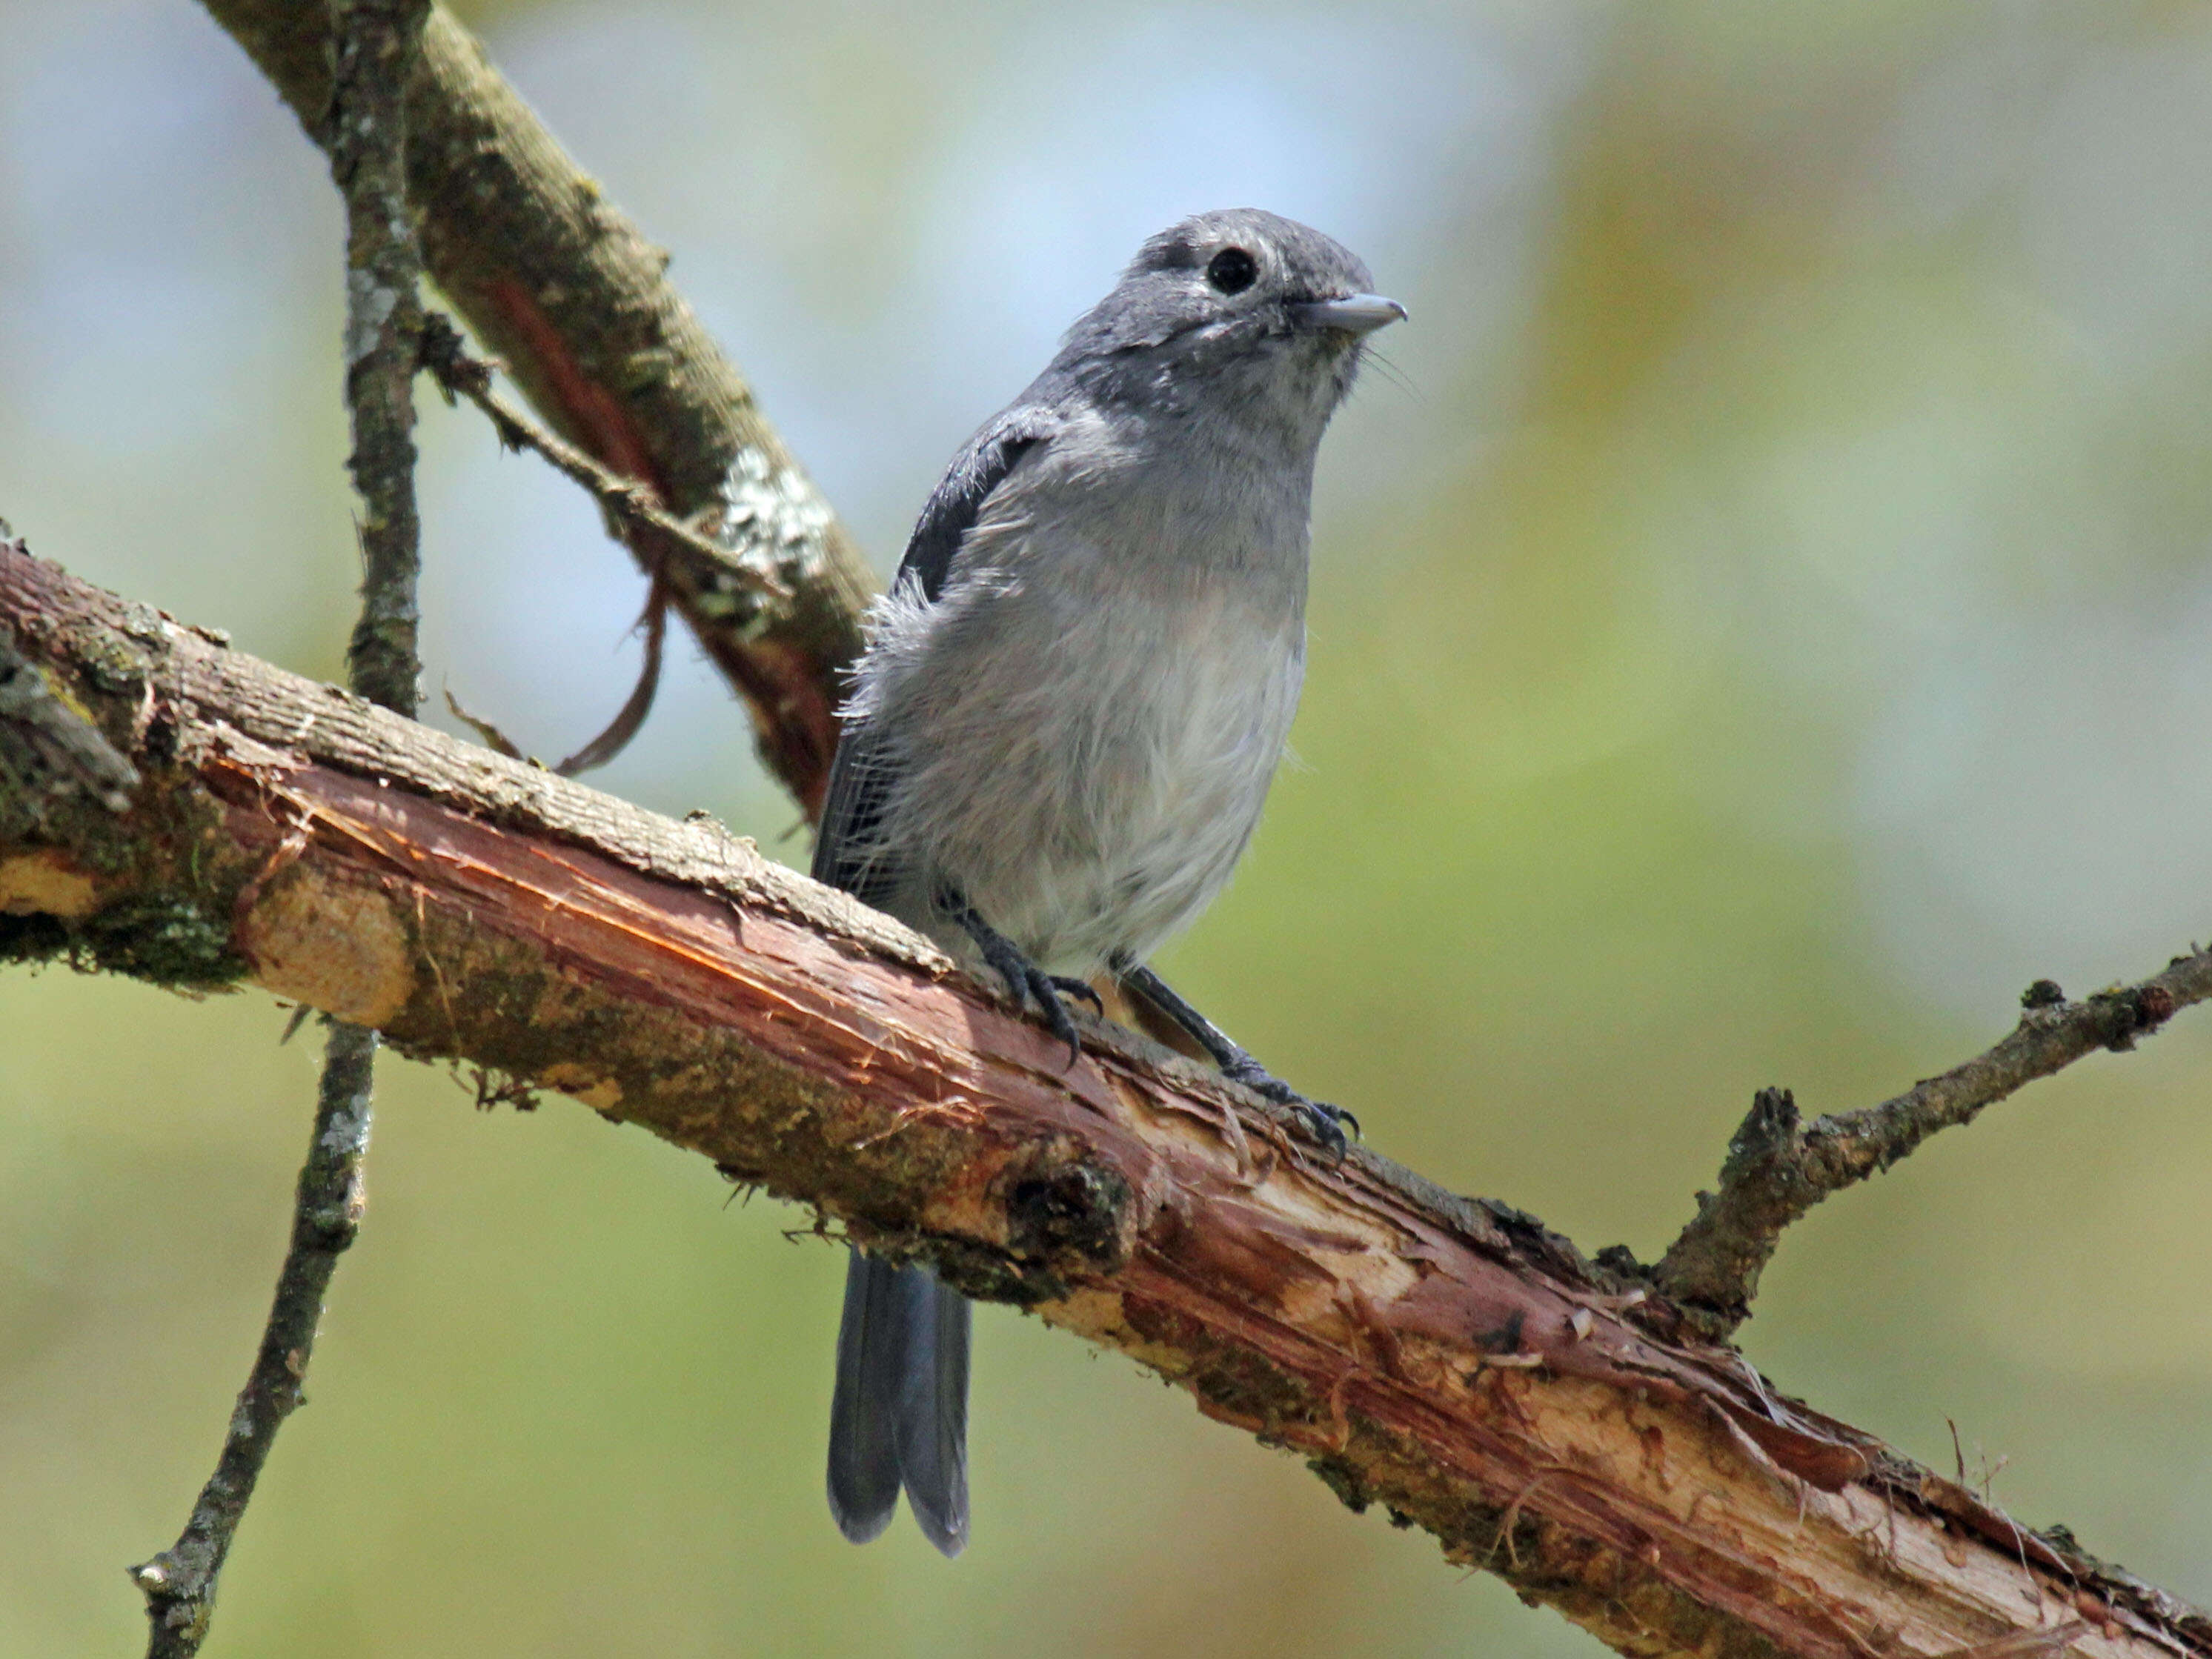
<point x="1031" y="983"/>
<point x="1323" y="1121"/>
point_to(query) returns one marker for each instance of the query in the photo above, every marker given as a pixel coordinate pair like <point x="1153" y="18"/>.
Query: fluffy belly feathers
<point x="1088" y="821"/>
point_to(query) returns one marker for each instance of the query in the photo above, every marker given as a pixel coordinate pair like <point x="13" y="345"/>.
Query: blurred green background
<point x="1761" y="623"/>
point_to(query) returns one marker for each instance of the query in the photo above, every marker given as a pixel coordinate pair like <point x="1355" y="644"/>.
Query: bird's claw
<point x="1044" y="989"/>
<point x="1031" y="983"/>
<point x="1068" y="986"/>
<point x="1323" y="1121"/>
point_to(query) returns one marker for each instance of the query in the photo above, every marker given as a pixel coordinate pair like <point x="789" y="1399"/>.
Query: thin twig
<point x="629" y="502"/>
<point x="633" y="513"/>
<point x="375" y="43"/>
<point x="612" y="741"/>
<point x="1778" y="1168"/>
<point x="179" y="1582"/>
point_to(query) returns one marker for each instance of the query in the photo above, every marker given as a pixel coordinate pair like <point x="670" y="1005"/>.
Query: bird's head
<point x="1234" y="307"/>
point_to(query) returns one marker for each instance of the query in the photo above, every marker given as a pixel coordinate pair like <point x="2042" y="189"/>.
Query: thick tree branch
<point x="1448" y="1359"/>
<point x="1777" y="1169"/>
<point x="575" y="302"/>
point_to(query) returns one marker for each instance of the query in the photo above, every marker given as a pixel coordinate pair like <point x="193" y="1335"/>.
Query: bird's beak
<point x="1356" y="313"/>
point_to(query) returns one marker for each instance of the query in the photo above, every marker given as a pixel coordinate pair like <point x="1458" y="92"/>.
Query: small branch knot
<point x="1770" y="1125"/>
<point x="1078" y="1212"/>
<point x="444" y="354"/>
<point x="2125" y="1012"/>
<point x="1712" y="1271"/>
<point x="152" y="1577"/>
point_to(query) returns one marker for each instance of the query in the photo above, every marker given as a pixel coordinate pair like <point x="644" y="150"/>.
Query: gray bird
<point x="1072" y="701"/>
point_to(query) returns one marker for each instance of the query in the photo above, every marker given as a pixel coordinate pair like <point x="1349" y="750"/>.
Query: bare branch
<point x="1448" y="1360"/>
<point x="179" y="1582"/>
<point x="571" y="297"/>
<point x="376" y="44"/>
<point x="1777" y="1169"/>
<point x="630" y="503"/>
<point x="629" y="507"/>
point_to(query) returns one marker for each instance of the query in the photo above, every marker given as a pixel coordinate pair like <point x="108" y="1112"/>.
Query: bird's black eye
<point x="1232" y="271"/>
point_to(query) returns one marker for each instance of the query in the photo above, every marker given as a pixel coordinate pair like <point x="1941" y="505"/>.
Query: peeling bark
<point x="1446" y="1359"/>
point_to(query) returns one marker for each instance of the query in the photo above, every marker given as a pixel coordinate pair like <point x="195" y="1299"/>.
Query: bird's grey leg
<point x="1327" y="1121"/>
<point x="1027" y="982"/>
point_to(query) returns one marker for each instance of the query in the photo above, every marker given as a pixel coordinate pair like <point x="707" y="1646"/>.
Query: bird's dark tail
<point x="900" y="1414"/>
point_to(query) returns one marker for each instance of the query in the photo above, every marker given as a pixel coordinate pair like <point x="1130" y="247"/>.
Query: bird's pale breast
<point x="1091" y="795"/>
